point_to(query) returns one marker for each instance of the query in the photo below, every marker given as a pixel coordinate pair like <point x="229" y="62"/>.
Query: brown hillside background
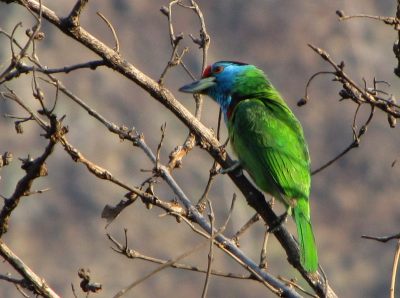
<point x="60" y="231"/>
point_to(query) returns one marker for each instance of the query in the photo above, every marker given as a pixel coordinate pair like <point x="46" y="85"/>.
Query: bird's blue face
<point x="219" y="81"/>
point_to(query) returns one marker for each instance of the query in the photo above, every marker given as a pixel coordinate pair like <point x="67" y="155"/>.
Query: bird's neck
<point x="229" y="100"/>
<point x="224" y="101"/>
<point x="270" y="96"/>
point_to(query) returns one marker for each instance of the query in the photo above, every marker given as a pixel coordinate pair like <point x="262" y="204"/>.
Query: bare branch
<point x="98" y="171"/>
<point x="162" y="267"/>
<point x="255" y="218"/>
<point x="134" y="254"/>
<point x="394" y="270"/>
<point x="354" y="144"/>
<point x="116" y="48"/>
<point x="38" y="283"/>
<point x="34" y="169"/>
<point x="22" y="68"/>
<point x="304" y="100"/>
<point x="213" y="173"/>
<point x="351" y="90"/>
<point x="382" y="239"/>
<point x="211" y="217"/>
<point x="74" y="15"/>
<point x="19" y="283"/>
<point x="163" y="128"/>
<point x="293" y="283"/>
<point x="387" y="20"/>
<point x="263" y="255"/>
<point x="391" y="21"/>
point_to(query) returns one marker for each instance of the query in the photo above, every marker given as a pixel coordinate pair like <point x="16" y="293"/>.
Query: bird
<point x="268" y="140"/>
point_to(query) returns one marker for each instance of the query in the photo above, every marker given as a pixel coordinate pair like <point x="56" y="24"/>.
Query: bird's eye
<point x="218" y="69"/>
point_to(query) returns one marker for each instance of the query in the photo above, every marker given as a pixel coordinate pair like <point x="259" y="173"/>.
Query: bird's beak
<point x="198" y="86"/>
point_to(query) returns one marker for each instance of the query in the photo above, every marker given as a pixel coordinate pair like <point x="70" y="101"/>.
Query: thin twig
<point x="387" y="20"/>
<point x="11" y="95"/>
<point x="204" y="44"/>
<point x="263" y="255"/>
<point x="19" y="284"/>
<point x="116" y="48"/>
<point x="102" y="173"/>
<point x="354" y="144"/>
<point x="212" y="174"/>
<point x="304" y="100"/>
<point x="382" y="239"/>
<point x="34" y="169"/>
<point x="13" y="55"/>
<point x="394" y="270"/>
<point x="40" y="286"/>
<point x="297" y="286"/>
<point x="36" y="28"/>
<point x="211" y="217"/>
<point x="352" y="90"/>
<point x="255" y="218"/>
<point x="230" y="212"/>
<point x="39" y="191"/>
<point x="180" y="152"/>
<point x="14" y="58"/>
<point x="34" y="32"/>
<point x="73" y="291"/>
<point x="73" y="17"/>
<point x="134" y="254"/>
<point x="25" y="69"/>
<point x="213" y="171"/>
<point x="175" y="59"/>
<point x="160" y="268"/>
<point x="163" y="128"/>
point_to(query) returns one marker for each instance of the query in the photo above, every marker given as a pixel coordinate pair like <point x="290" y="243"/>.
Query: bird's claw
<point x="230" y="169"/>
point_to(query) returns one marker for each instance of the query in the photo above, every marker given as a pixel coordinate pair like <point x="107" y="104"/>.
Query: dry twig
<point x="134" y="254"/>
<point x="38" y="284"/>
<point x="394" y="270"/>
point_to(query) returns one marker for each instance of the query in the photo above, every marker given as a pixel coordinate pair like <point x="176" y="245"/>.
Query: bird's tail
<point x="308" y="248"/>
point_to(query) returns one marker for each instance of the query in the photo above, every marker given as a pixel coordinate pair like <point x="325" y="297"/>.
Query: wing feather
<point x="269" y="142"/>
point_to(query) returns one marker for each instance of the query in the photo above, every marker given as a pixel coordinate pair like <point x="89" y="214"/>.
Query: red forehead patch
<point x="206" y="72"/>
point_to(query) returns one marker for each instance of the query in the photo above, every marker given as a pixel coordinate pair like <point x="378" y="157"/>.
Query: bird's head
<point x="224" y="81"/>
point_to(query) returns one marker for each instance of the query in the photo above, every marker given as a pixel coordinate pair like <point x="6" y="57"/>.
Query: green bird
<point x="267" y="138"/>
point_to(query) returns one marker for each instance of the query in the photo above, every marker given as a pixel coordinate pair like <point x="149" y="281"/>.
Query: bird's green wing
<point x="270" y="144"/>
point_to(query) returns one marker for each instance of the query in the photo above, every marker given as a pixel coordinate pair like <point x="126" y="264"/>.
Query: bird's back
<point x="269" y="142"/>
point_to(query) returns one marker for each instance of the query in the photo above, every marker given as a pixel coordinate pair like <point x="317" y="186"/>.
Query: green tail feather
<point x="308" y="249"/>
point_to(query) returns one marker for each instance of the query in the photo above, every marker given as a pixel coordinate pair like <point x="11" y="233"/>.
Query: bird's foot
<point x="278" y="223"/>
<point x="237" y="165"/>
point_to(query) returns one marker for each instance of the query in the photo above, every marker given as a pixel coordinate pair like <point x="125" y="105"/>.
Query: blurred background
<point x="60" y="231"/>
